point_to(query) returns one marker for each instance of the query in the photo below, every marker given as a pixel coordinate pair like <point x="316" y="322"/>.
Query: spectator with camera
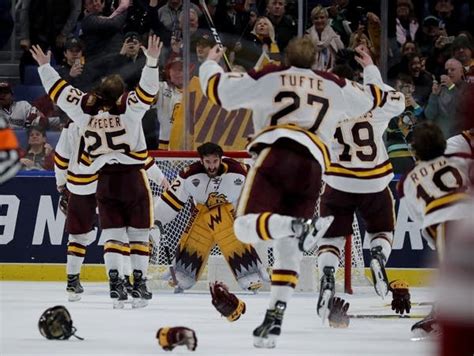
<point x="445" y="94"/>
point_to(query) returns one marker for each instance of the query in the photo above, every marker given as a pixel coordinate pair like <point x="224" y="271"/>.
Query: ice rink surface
<point x="132" y="331"/>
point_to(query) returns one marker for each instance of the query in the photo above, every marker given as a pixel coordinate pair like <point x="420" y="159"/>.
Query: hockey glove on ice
<point x="170" y="337"/>
<point x="338" y="317"/>
<point x="226" y="302"/>
<point x="401" y="297"/>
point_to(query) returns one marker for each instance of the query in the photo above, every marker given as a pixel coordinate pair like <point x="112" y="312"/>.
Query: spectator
<point x="18" y="114"/>
<point x="75" y="70"/>
<point x="398" y="138"/>
<point x="423" y="81"/>
<point x="102" y="34"/>
<point x="326" y="41"/>
<point x="406" y="23"/>
<point x="284" y="25"/>
<point x="444" y="10"/>
<point x="39" y="154"/>
<point x="427" y="37"/>
<point x="445" y="94"/>
<point x="463" y="49"/>
<point x="409" y="47"/>
<point x="260" y="47"/>
<point x="6" y="22"/>
<point x="229" y="21"/>
<point x="405" y="85"/>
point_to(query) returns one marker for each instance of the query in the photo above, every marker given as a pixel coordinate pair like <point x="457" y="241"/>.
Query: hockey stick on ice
<point x="172" y="271"/>
<point x="386" y="316"/>
<point x="212" y="27"/>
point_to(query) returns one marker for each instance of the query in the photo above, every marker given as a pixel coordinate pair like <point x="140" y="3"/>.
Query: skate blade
<point x="73" y="297"/>
<point x="321" y="225"/>
<point x="323" y="306"/>
<point x="381" y="287"/>
<point x="119" y="304"/>
<point x="265" y="342"/>
<point x="139" y="303"/>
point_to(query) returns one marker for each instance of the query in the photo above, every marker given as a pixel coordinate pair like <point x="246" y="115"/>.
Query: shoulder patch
<point x="331" y="77"/>
<point x="271" y="68"/>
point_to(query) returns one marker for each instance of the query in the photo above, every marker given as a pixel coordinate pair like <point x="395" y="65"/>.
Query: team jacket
<point x="194" y="182"/>
<point x="167" y="105"/>
<point x="437" y="191"/>
<point x="300" y="104"/>
<point x="359" y="159"/>
<point x="113" y="136"/>
<point x="82" y="179"/>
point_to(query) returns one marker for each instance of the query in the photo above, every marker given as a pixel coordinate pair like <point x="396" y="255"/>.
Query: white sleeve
<point x="169" y="204"/>
<point x="229" y="90"/>
<point x="140" y="99"/>
<point x="153" y="171"/>
<point x="64" y="95"/>
<point x="62" y="154"/>
<point x="458" y="144"/>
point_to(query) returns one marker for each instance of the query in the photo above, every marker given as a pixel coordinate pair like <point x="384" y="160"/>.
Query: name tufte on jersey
<point x="194" y="182"/>
<point x="113" y="136"/>
<point x="300" y="104"/>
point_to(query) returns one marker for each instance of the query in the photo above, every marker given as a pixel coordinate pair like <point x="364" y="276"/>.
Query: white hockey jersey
<point x="462" y="143"/>
<point x="194" y="182"/>
<point x="20" y="113"/>
<point x="437" y="191"/>
<point x="81" y="179"/>
<point x="167" y="105"/>
<point x="359" y="159"/>
<point x="114" y="136"/>
<point x="299" y="104"/>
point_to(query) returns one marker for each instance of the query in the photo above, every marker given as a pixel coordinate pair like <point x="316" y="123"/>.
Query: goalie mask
<point x="56" y="324"/>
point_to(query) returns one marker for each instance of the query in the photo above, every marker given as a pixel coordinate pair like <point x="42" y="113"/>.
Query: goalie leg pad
<point x="193" y="250"/>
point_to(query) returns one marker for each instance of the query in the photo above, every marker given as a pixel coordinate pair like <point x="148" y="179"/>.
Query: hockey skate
<point x="128" y="286"/>
<point x="309" y="231"/>
<point x="377" y="267"/>
<point x="327" y="290"/>
<point x="426" y="327"/>
<point x="266" y="334"/>
<point x="74" y="287"/>
<point x="140" y="293"/>
<point x="117" y="289"/>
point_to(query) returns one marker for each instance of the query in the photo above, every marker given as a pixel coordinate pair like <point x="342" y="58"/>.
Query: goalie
<point x="215" y="184"/>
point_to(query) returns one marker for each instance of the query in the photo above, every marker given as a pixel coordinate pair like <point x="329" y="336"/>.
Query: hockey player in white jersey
<point x="436" y="193"/>
<point x="462" y="143"/>
<point x="110" y="120"/>
<point x="357" y="179"/>
<point x="295" y="113"/>
<point x="215" y="184"/>
<point x="77" y="185"/>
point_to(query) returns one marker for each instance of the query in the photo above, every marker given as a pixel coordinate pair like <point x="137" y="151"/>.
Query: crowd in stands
<point x="430" y="53"/>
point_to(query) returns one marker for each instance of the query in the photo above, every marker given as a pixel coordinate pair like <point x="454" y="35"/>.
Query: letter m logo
<point x="215" y="218"/>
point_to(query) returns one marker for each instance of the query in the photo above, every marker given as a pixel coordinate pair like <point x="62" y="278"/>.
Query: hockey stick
<point x="212" y="27"/>
<point x="385" y="316"/>
<point x="177" y="288"/>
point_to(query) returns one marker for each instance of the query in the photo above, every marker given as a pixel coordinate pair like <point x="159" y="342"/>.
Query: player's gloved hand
<point x="64" y="200"/>
<point x="170" y="337"/>
<point x="226" y="302"/>
<point x="338" y="317"/>
<point x="401" y="297"/>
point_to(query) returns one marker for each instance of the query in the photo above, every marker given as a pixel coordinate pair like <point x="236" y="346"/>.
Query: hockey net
<point x="350" y="273"/>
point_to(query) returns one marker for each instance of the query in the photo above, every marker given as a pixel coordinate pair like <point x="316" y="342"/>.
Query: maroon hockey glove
<point x="170" y="337"/>
<point x="64" y="200"/>
<point x="338" y="317"/>
<point x="401" y="297"/>
<point x="226" y="302"/>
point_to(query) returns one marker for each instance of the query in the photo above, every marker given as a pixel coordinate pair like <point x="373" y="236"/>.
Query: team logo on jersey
<point x="238" y="181"/>
<point x="215" y="199"/>
<point x="195" y="182"/>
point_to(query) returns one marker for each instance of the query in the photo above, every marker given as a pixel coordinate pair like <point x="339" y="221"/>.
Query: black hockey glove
<point x="64" y="200"/>
<point x="401" y="297"/>
<point x="338" y="317"/>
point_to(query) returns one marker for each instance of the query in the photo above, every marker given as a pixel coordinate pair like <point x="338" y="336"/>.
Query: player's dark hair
<point x="110" y="90"/>
<point x="428" y="141"/>
<point x="300" y="53"/>
<point x="210" y="148"/>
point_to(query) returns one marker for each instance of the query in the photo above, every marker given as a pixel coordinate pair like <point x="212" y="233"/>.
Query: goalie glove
<point x="338" y="317"/>
<point x="64" y="200"/>
<point x="170" y="337"/>
<point x="226" y="302"/>
<point x="401" y="296"/>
